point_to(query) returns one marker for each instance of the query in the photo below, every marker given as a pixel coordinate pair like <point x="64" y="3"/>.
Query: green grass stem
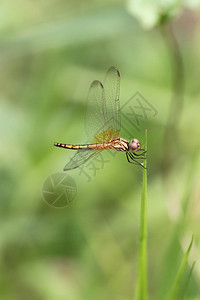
<point x="141" y="284"/>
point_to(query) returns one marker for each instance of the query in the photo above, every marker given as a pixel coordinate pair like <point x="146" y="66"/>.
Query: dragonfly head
<point x="135" y="145"/>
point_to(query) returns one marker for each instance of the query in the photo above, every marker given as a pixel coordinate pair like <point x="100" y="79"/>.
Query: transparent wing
<point x="112" y="92"/>
<point x="102" y="120"/>
<point x="80" y="158"/>
<point x="96" y="119"/>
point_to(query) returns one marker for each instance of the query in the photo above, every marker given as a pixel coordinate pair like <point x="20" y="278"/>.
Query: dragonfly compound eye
<point x="135" y="145"/>
<point x="135" y="141"/>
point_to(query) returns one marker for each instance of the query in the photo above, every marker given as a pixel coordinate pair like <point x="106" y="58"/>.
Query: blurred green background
<point x="50" y="52"/>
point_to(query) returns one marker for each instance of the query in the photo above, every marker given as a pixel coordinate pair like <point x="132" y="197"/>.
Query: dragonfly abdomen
<point x="97" y="146"/>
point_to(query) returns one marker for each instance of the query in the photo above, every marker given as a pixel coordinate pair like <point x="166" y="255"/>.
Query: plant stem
<point x="141" y="285"/>
<point x="176" y="105"/>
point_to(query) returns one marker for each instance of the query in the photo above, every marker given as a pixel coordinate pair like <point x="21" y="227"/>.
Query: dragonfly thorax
<point x="120" y="144"/>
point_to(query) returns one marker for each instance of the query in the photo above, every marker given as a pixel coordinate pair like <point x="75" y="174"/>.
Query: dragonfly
<point x="103" y="124"/>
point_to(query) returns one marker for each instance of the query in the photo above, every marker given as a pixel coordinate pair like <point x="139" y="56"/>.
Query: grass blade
<point x="141" y="285"/>
<point x="172" y="252"/>
<point x="187" y="281"/>
<point x="179" y="276"/>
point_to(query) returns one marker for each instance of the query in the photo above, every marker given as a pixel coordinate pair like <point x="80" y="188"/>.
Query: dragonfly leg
<point x="128" y="158"/>
<point x="135" y="159"/>
<point x="141" y="154"/>
<point x="135" y="162"/>
<point x="132" y="155"/>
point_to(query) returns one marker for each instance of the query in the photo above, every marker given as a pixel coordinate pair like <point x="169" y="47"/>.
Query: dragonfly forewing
<point x="102" y="120"/>
<point x="112" y="93"/>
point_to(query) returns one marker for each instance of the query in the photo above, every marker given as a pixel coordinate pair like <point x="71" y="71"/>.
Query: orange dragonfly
<point x="102" y="124"/>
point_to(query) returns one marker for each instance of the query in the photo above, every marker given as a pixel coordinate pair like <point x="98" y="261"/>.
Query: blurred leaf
<point x="150" y="13"/>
